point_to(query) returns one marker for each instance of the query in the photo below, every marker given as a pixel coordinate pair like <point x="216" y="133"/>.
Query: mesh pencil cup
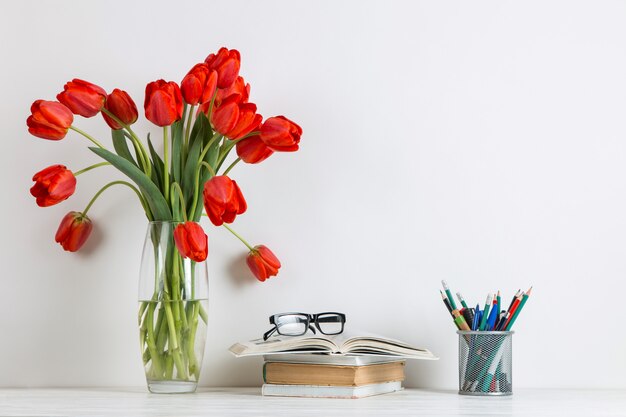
<point x="485" y="363"/>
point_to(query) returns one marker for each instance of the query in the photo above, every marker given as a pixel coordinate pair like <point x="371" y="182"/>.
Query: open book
<point x="345" y="343"/>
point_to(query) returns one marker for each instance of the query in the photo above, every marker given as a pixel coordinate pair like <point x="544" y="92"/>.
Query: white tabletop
<point x="248" y="402"/>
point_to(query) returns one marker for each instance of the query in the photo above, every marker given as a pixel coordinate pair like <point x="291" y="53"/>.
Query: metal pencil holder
<point x="485" y="363"/>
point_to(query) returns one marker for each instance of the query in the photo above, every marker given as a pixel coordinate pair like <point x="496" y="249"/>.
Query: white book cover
<point x="321" y="391"/>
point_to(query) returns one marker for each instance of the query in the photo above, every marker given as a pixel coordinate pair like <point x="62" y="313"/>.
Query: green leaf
<point x="175" y="204"/>
<point x="157" y="163"/>
<point x="198" y="127"/>
<point x="189" y="175"/>
<point x="121" y="146"/>
<point x="156" y="201"/>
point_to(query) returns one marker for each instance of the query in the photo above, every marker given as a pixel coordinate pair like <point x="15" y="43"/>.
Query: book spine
<point x="265" y="373"/>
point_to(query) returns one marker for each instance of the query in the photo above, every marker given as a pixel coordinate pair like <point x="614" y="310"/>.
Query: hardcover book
<point x="313" y="374"/>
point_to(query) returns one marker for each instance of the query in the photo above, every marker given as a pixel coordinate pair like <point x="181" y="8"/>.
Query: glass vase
<point x="173" y="305"/>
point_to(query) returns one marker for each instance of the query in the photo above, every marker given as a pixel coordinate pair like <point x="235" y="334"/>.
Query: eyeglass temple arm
<point x="268" y="333"/>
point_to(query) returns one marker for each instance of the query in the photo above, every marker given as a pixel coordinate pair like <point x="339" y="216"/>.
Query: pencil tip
<point x="498" y="293"/>
<point x="529" y="290"/>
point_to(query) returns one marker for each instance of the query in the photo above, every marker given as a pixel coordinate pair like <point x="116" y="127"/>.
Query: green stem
<point x="208" y="167"/>
<point x="90" y="167"/>
<point x="238" y="237"/>
<point x="85" y="134"/>
<point x="166" y="157"/>
<point x="208" y="145"/>
<point x="129" y="185"/>
<point x="231" y="166"/>
<point x="208" y="115"/>
<point x="176" y="188"/>
<point x="196" y="190"/>
<point x="225" y="151"/>
<point x="156" y="362"/>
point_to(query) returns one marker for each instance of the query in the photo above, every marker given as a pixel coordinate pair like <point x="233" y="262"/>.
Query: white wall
<point x="480" y="142"/>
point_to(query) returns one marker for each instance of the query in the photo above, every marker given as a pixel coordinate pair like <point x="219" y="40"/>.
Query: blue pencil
<point x="476" y="317"/>
<point x="491" y="321"/>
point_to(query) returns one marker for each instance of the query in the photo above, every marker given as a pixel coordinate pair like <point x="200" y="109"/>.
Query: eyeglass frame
<point x="310" y="319"/>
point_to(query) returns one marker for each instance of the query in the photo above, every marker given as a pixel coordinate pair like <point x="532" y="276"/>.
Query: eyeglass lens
<point x="330" y="323"/>
<point x="292" y="324"/>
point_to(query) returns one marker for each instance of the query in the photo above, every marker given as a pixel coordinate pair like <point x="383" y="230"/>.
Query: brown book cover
<point x="315" y="374"/>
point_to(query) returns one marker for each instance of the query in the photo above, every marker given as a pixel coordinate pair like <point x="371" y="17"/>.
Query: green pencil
<point x="461" y="300"/>
<point x="449" y="294"/>
<point x="518" y="309"/>
<point x="499" y="301"/>
<point x="483" y="321"/>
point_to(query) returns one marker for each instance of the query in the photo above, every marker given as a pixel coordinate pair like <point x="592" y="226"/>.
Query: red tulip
<point x="226" y="63"/>
<point x="53" y="185"/>
<point x="163" y="103"/>
<point x="223" y="200"/>
<point x="234" y="119"/>
<point x="252" y="150"/>
<point x="262" y="262"/>
<point x="191" y="241"/>
<point x="239" y="87"/>
<point x="49" y="120"/>
<point x="82" y="97"/>
<point x="73" y="231"/>
<point x="199" y="84"/>
<point x="281" y="134"/>
<point x="122" y="106"/>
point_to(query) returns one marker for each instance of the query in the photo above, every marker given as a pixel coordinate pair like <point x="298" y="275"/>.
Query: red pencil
<point x="510" y="313"/>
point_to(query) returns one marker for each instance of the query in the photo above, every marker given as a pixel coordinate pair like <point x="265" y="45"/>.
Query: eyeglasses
<point x="297" y="324"/>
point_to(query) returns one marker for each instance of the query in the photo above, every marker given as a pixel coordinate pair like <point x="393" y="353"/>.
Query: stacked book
<point x="331" y="376"/>
<point x="339" y="366"/>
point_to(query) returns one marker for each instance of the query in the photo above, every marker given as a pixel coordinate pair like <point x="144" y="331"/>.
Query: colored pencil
<point x="449" y="294"/>
<point x="460" y="320"/>
<point x="499" y="301"/>
<point x="509" y="325"/>
<point x="511" y="312"/>
<point x="446" y="302"/>
<point x="483" y="322"/>
<point x="476" y="317"/>
<point x="461" y="299"/>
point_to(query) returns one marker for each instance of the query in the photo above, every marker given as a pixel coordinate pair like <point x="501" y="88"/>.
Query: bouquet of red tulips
<point x="203" y="119"/>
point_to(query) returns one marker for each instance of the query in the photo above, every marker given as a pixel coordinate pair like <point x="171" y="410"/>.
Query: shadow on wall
<point x="239" y="272"/>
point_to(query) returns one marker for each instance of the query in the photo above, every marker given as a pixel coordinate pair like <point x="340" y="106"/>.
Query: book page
<point x="305" y="343"/>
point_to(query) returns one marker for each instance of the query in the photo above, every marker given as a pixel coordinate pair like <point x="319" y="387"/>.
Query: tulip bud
<point x="163" y="103"/>
<point x="191" y="241"/>
<point x="239" y="87"/>
<point x="82" y="97"/>
<point x="252" y="150"/>
<point x="121" y="106"/>
<point x="234" y="119"/>
<point x="199" y="84"/>
<point x="226" y="63"/>
<point x="73" y="231"/>
<point x="281" y="134"/>
<point x="223" y="200"/>
<point x="49" y="120"/>
<point x="262" y="263"/>
<point x="53" y="185"/>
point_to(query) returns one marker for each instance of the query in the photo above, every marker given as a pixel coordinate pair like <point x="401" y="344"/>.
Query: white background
<point x="479" y="142"/>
